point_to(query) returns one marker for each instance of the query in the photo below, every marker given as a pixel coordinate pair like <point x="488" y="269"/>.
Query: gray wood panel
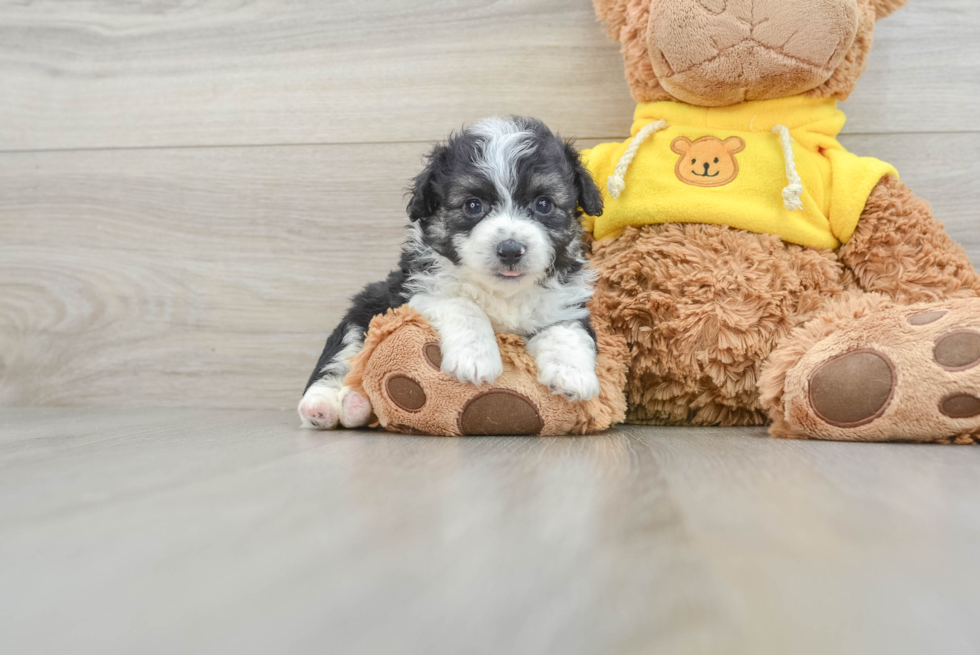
<point x="176" y="531"/>
<point x="98" y="74"/>
<point x="210" y="277"/>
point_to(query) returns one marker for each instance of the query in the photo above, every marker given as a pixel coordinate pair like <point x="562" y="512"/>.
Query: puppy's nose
<point x="707" y="167"/>
<point x="510" y="252"/>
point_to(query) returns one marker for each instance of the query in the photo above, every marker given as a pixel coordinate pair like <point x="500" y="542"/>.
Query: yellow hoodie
<point x="737" y="166"/>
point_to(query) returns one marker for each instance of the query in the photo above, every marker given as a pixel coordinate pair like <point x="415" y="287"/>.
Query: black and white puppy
<point x="494" y="246"/>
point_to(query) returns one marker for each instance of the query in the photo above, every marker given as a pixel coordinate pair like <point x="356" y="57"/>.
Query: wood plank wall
<point x="190" y="190"/>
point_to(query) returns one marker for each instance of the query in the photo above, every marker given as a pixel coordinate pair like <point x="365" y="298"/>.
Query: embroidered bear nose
<point x="707" y="167"/>
<point x="510" y="252"/>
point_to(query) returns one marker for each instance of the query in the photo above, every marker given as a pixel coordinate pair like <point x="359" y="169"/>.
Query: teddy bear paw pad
<point x="958" y="351"/>
<point x="853" y="389"/>
<point x="500" y="412"/>
<point x="960" y="405"/>
<point x="406" y="393"/>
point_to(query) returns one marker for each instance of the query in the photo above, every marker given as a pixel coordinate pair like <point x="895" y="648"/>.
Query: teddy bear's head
<point x="714" y="53"/>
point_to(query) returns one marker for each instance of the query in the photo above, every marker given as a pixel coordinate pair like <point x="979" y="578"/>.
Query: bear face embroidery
<point x="707" y="162"/>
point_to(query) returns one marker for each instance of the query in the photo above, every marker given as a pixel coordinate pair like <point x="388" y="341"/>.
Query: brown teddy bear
<point x="751" y="269"/>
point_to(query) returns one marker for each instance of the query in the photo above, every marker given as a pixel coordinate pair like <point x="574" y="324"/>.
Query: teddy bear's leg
<point x="699" y="308"/>
<point x="875" y="366"/>
<point x="900" y="250"/>
<point x="872" y="370"/>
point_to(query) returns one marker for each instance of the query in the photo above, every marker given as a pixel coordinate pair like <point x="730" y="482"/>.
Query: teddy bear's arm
<point x="901" y="250"/>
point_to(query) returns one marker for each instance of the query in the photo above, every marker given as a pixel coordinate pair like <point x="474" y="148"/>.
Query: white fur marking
<point x="340" y="365"/>
<point x="504" y="144"/>
<point x="566" y="358"/>
<point x="320" y="407"/>
<point x="469" y="346"/>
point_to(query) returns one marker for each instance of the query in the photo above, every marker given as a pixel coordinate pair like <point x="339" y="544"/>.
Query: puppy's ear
<point x="425" y="200"/>
<point x="589" y="196"/>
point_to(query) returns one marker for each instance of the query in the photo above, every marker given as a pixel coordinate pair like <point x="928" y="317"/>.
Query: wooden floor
<point x="193" y="531"/>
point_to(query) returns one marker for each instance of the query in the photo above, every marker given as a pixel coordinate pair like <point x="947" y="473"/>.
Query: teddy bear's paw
<point x="909" y="374"/>
<point x="355" y="409"/>
<point x="320" y="408"/>
<point x="475" y="362"/>
<point x="573" y="382"/>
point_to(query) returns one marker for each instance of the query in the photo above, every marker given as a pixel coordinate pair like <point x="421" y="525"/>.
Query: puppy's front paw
<point x="320" y="408"/>
<point x="573" y="382"/>
<point x="476" y="362"/>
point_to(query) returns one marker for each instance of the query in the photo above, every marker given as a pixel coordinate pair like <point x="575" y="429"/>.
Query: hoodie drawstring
<point x="793" y="193"/>
<point x="617" y="181"/>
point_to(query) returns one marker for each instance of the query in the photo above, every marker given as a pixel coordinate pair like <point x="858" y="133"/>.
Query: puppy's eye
<point x="694" y="161"/>
<point x="473" y="207"/>
<point x="716" y="160"/>
<point x="543" y="205"/>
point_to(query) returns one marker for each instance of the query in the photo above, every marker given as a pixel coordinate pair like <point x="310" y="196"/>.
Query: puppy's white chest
<point x="510" y="316"/>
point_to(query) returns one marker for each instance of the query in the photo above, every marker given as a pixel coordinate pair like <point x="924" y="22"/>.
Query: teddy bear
<point x="751" y="270"/>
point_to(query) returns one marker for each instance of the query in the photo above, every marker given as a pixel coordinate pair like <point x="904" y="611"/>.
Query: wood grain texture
<point x="235" y="532"/>
<point x="210" y="277"/>
<point x="99" y="74"/>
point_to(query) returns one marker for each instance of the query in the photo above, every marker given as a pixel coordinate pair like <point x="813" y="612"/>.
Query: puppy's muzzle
<point x="510" y="252"/>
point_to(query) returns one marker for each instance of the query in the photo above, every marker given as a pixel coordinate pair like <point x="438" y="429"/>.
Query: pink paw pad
<point x="319" y="412"/>
<point x="355" y="410"/>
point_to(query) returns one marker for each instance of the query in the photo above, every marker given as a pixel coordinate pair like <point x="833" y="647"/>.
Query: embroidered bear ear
<point x="681" y="145"/>
<point x="734" y="145"/>
<point x="885" y="8"/>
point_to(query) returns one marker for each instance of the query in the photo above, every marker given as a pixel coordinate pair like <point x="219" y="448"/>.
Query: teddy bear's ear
<point x="613" y="14"/>
<point x="887" y="7"/>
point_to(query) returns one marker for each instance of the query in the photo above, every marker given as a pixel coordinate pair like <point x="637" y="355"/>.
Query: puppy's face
<point x="500" y="201"/>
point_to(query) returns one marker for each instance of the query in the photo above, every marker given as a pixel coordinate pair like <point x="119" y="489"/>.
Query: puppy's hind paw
<point x="320" y="408"/>
<point x="355" y="409"/>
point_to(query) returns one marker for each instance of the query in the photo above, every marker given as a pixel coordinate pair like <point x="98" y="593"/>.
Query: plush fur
<point x="628" y="22"/>
<point x="721" y="323"/>
<point x="901" y="250"/>
<point x="701" y="307"/>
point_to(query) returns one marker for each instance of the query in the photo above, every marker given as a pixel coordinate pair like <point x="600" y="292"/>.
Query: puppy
<point x="494" y="246"/>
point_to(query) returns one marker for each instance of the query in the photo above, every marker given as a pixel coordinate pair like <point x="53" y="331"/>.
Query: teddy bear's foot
<point x="895" y="374"/>
<point x="400" y="371"/>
